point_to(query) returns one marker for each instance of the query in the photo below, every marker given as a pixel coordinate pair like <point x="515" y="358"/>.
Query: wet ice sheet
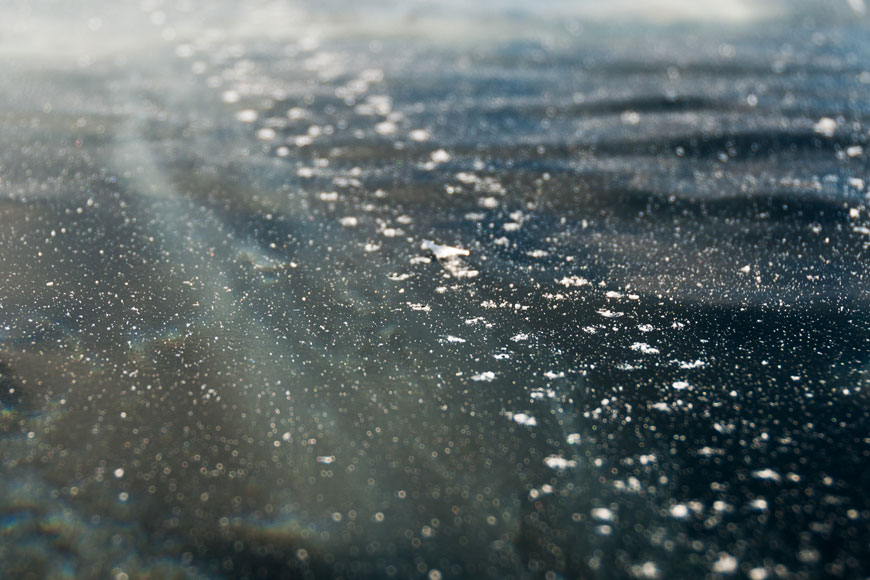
<point x="282" y="292"/>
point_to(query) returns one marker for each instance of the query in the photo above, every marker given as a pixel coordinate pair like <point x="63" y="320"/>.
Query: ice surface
<point x="446" y="290"/>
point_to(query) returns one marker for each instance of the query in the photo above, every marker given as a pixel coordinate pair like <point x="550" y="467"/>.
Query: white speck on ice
<point x="726" y="564"/>
<point x="610" y="313"/>
<point x="644" y="348"/>
<point x="443" y="252"/>
<point x="451" y="338"/>
<point x="630" y="117"/>
<point x="440" y="156"/>
<point x="559" y="462"/>
<point x="520" y="337"/>
<point x="647" y="570"/>
<point x="857" y="6"/>
<point x="692" y="365"/>
<point x="854" y="150"/>
<point x="767" y="474"/>
<point x="247" y="116"/>
<point x="119" y="473"/>
<point x="825" y="126"/>
<point x="230" y="97"/>
<point x="602" y="514"/>
<point x="541" y="393"/>
<point x="758" y="504"/>
<point x="326" y="459"/>
<point x="645" y="327"/>
<point x="266" y="134"/>
<point x="522" y="419"/>
<point x="385" y="128"/>
<point x="486" y="376"/>
<point x="680" y="385"/>
<point x="419" y="135"/>
<point x="419" y="307"/>
<point x="573" y="439"/>
<point x="679" y="511"/>
<point x="349" y="221"/>
<point x="856" y="182"/>
<point x="575" y="281"/>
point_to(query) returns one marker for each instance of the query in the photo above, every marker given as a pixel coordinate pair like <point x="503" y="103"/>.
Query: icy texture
<point x="363" y="291"/>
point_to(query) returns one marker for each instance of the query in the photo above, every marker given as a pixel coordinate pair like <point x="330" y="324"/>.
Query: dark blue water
<point x="370" y="292"/>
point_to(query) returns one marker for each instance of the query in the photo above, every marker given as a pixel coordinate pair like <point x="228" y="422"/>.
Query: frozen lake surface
<point x="341" y="290"/>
